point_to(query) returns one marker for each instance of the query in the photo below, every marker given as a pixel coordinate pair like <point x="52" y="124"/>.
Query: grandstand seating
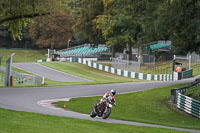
<point x="83" y="51"/>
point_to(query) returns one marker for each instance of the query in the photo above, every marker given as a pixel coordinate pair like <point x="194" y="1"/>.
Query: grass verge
<point x="151" y="106"/>
<point x="80" y="70"/>
<point x="1" y="79"/>
<point x="194" y="92"/>
<point x="23" y="122"/>
<point x="23" y="55"/>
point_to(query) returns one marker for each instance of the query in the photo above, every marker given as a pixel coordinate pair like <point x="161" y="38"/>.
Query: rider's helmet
<point x="113" y="92"/>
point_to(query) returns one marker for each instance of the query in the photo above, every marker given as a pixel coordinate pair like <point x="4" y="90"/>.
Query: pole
<point x="189" y="62"/>
<point x="48" y="53"/>
<point x="139" y="62"/>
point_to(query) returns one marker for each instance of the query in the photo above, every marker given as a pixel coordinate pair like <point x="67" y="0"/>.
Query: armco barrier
<point x="186" y="103"/>
<point x="135" y="75"/>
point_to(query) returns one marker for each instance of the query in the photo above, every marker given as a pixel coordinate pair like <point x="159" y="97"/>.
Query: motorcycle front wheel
<point x="106" y="114"/>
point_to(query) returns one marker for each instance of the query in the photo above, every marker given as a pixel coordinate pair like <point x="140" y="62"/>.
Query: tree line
<point x="128" y="23"/>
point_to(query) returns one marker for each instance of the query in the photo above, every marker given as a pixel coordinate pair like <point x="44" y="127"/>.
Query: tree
<point x="52" y="31"/>
<point x="127" y="22"/>
<point x="88" y="11"/>
<point x="180" y="22"/>
<point x="16" y="14"/>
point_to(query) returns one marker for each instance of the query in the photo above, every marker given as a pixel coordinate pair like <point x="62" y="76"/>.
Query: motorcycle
<point x="103" y="108"/>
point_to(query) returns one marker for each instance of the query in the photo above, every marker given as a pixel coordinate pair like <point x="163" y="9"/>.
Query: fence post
<point x="189" y="62"/>
<point x="8" y="70"/>
<point x="43" y="80"/>
<point x="174" y="95"/>
<point x="48" y="54"/>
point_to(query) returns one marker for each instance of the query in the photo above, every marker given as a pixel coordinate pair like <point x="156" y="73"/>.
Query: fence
<point x="125" y="73"/>
<point x="186" y="103"/>
<point x="146" y="58"/>
<point x="156" y="69"/>
<point x="133" y="66"/>
<point x="20" y="79"/>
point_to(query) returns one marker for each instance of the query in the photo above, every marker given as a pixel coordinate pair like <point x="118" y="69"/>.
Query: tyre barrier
<point x="185" y="103"/>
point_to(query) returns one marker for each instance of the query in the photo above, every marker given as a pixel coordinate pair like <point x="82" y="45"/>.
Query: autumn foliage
<point x="52" y="31"/>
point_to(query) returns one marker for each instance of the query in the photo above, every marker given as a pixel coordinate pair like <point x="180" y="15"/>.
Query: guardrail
<point x="186" y="103"/>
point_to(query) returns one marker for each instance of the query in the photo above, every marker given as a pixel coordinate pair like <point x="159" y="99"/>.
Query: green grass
<point x="194" y="92"/>
<point x="151" y="106"/>
<point x="163" y="67"/>
<point x="23" y="55"/>
<point x="196" y="69"/>
<point x="96" y="76"/>
<point x="1" y="79"/>
<point x="24" y="122"/>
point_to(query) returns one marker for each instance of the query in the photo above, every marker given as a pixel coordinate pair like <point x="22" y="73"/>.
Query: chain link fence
<point x="131" y="66"/>
<point x="21" y="79"/>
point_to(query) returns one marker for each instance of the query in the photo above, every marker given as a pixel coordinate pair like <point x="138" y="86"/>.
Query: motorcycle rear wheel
<point x="106" y="114"/>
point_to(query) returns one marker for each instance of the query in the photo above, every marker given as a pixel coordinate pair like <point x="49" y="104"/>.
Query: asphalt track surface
<point x="49" y="73"/>
<point x="38" y="99"/>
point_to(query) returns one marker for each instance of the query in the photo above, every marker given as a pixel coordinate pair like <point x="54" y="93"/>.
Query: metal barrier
<point x="21" y="79"/>
<point x="186" y="103"/>
<point x="125" y="73"/>
<point x="187" y="73"/>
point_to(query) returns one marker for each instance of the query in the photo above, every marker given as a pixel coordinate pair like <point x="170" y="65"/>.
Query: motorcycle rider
<point x="110" y="95"/>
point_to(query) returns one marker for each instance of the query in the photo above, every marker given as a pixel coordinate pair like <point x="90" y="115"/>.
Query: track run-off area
<point x="39" y="99"/>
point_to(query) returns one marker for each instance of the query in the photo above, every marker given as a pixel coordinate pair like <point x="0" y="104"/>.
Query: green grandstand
<point x="85" y="50"/>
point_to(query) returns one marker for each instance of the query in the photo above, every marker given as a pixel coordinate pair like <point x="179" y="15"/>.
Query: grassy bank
<point x="23" y="122"/>
<point x="151" y="106"/>
<point x="80" y="70"/>
<point x="194" y="92"/>
<point x="1" y="79"/>
<point x="23" y="55"/>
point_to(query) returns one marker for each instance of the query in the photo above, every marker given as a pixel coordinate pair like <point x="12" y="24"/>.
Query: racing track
<point x="39" y="99"/>
<point x="49" y="73"/>
<point x="27" y="99"/>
